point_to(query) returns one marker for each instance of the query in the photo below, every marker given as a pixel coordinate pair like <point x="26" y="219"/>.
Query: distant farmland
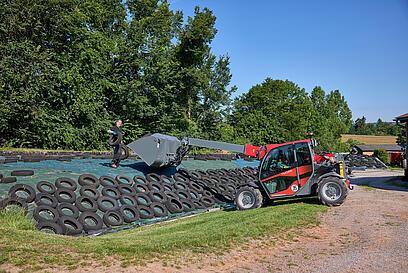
<point x="368" y="139"/>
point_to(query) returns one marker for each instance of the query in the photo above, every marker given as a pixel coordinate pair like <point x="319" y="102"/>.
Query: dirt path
<point x="368" y="233"/>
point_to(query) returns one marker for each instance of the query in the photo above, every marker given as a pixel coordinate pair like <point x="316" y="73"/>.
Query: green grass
<point x="22" y="246"/>
<point x="395" y="168"/>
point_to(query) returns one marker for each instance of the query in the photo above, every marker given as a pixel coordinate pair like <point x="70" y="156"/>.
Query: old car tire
<point x="129" y="213"/>
<point x="70" y="225"/>
<point x="88" y="180"/>
<point x="16" y="201"/>
<point x="46" y="199"/>
<point x="8" y="180"/>
<point x="139" y="179"/>
<point x="141" y="187"/>
<point x="124" y="152"/>
<point x="111" y="192"/>
<point x="155" y="186"/>
<point x="157" y="196"/>
<point x="37" y="214"/>
<point x="127" y="189"/>
<point x="65" y="196"/>
<point x="95" y="218"/>
<point x="113" y="218"/>
<point x="63" y="207"/>
<point x="82" y="200"/>
<point x="126" y="199"/>
<point x="114" y="140"/>
<point x="46" y="187"/>
<point x="45" y="225"/>
<point x="102" y="203"/>
<point x="124" y="180"/>
<point x="22" y="173"/>
<point x="207" y="201"/>
<point x="66" y="183"/>
<point x="108" y="181"/>
<point x="143" y="199"/>
<point x="152" y="177"/>
<point x="187" y="205"/>
<point x="30" y="192"/>
<point x="145" y="212"/>
<point x="90" y="192"/>
<point x="174" y="205"/>
<point x="159" y="209"/>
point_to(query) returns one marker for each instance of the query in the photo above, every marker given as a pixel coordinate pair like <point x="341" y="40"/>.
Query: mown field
<point x="30" y="250"/>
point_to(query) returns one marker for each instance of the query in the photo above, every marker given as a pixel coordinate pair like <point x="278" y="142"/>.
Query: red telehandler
<point x="286" y="170"/>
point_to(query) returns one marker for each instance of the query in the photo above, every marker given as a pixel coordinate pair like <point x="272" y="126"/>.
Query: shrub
<point x="382" y="155"/>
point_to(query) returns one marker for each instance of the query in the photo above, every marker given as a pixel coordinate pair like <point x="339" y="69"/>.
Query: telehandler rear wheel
<point x="248" y="198"/>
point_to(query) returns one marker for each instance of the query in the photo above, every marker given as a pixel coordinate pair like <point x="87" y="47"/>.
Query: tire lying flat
<point x="22" y="173"/>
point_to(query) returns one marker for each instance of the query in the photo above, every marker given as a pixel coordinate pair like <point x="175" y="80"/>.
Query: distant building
<point x="371" y="143"/>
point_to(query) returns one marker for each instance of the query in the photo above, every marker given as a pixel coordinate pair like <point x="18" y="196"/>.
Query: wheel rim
<point x="246" y="199"/>
<point x="331" y="191"/>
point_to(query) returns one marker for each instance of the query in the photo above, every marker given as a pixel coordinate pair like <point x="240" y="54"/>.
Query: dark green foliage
<point x="382" y="155"/>
<point x="278" y="111"/>
<point x="69" y="68"/>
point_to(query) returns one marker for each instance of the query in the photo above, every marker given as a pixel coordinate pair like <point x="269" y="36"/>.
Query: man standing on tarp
<point x="115" y="142"/>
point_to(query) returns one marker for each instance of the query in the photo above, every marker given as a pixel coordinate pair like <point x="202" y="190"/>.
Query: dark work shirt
<point x="116" y="130"/>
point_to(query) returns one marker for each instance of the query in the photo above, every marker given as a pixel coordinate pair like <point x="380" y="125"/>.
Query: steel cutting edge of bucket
<point x="156" y="150"/>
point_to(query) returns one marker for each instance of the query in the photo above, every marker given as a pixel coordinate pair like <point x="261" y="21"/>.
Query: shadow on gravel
<point x="394" y="183"/>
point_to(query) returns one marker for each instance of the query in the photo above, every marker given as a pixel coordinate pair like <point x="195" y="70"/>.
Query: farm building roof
<point x="370" y="139"/>
<point x="373" y="147"/>
<point x="402" y="118"/>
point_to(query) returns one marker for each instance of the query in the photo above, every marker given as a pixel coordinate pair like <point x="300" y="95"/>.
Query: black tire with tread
<point x="329" y="202"/>
<point x="30" y="191"/>
<point x="59" y="194"/>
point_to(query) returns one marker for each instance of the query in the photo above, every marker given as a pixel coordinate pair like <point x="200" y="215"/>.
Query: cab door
<point x="278" y="173"/>
<point x="304" y="156"/>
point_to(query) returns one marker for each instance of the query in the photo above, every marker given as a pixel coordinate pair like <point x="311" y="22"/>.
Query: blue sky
<point x="359" y="47"/>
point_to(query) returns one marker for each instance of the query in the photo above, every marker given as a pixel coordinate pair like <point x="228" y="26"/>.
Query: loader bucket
<point x="156" y="150"/>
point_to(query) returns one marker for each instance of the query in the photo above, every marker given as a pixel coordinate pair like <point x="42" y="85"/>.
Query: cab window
<point x="278" y="160"/>
<point x="303" y="155"/>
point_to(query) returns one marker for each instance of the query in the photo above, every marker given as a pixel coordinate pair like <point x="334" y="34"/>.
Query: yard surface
<point x="368" y="233"/>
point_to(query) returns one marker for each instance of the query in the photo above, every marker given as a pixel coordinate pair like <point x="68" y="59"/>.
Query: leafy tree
<point x="66" y="75"/>
<point x="272" y="112"/>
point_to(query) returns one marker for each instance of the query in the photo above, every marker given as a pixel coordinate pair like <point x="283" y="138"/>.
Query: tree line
<point x="68" y="68"/>
<point x="380" y="128"/>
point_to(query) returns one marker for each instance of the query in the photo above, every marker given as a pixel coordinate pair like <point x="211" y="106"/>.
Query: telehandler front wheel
<point x="332" y="191"/>
<point x="248" y="198"/>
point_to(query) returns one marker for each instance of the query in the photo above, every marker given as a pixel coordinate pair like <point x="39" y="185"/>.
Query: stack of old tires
<point x="359" y="160"/>
<point x="91" y="204"/>
<point x="222" y="184"/>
